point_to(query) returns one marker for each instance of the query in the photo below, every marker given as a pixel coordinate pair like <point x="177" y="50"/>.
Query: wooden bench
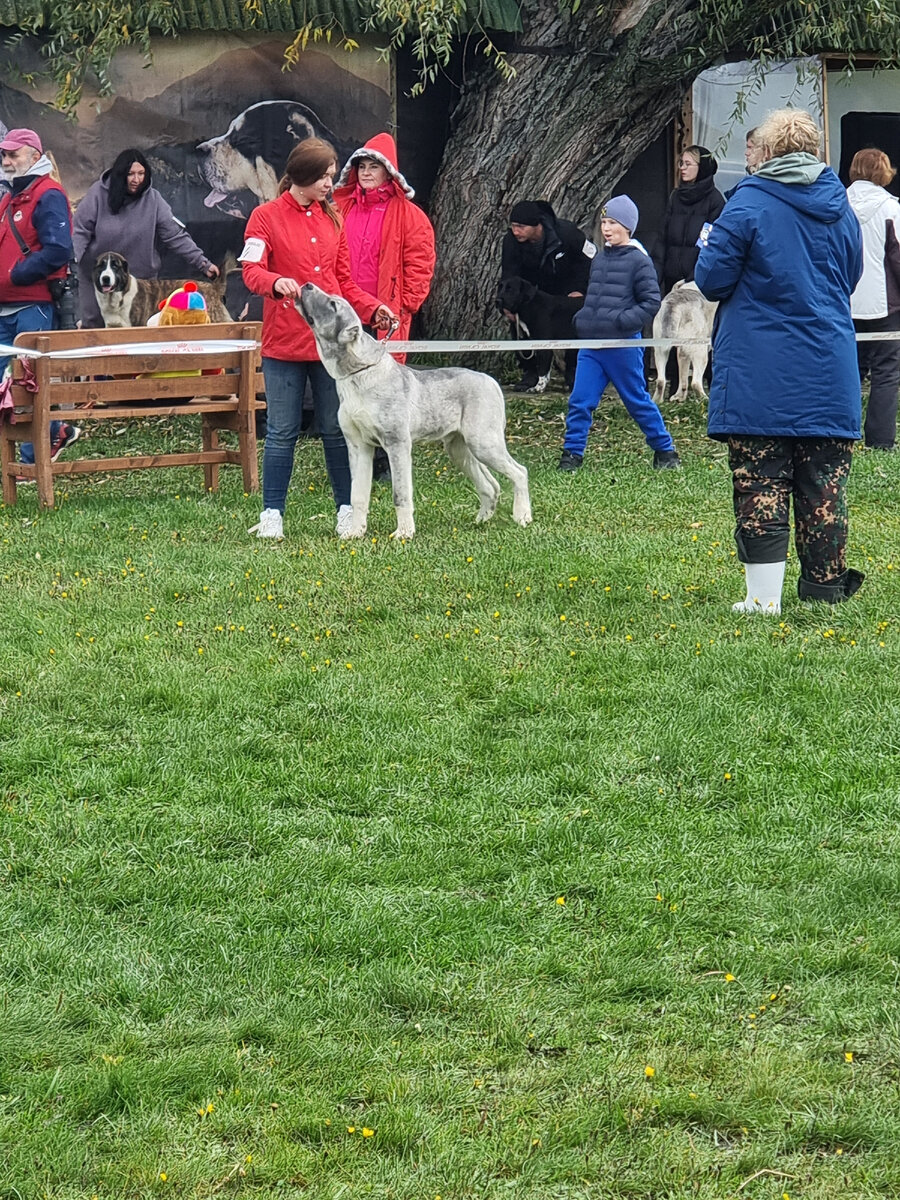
<point x="71" y="389"/>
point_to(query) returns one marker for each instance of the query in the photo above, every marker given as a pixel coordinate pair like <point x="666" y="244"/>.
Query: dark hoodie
<point x="783" y="260"/>
<point x="559" y="263"/>
<point x="690" y="207"/>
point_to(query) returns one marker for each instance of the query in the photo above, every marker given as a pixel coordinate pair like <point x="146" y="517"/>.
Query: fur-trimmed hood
<point x="382" y="148"/>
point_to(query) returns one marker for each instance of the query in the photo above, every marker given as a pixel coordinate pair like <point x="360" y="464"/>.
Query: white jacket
<point x="876" y="209"/>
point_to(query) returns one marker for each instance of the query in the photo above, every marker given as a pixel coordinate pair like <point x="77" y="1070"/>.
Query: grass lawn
<point x="504" y="863"/>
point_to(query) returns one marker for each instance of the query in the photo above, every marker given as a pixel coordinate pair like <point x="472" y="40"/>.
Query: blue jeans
<point x="34" y="318"/>
<point x="624" y="369"/>
<point x="285" y="385"/>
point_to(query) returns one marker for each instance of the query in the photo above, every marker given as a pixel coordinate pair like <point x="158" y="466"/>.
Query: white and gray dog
<point x="685" y="313"/>
<point x="384" y="403"/>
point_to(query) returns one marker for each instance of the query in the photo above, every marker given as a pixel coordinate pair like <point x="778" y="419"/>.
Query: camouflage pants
<point x="767" y="473"/>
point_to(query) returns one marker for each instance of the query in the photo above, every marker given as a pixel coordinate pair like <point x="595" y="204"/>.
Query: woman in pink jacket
<point x="391" y="240"/>
<point x="295" y="239"/>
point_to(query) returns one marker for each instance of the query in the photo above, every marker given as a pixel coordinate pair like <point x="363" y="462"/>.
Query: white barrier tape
<point x="472" y="347"/>
<point x="208" y="347"/>
<point x="424" y="347"/>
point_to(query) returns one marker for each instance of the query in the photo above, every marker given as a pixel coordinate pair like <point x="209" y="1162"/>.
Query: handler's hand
<point x="286" y="286"/>
<point x="212" y="271"/>
<point x="383" y="318"/>
<point x="576" y="295"/>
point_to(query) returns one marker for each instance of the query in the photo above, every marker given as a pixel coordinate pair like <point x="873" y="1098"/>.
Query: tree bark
<point x="590" y="92"/>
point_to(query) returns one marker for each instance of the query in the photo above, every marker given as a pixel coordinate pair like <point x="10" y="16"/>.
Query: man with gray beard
<point x="35" y="249"/>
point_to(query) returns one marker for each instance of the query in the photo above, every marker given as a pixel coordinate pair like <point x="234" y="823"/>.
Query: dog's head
<point x="514" y="293"/>
<point x="344" y="346"/>
<point x="110" y="272"/>
<point x="242" y="166"/>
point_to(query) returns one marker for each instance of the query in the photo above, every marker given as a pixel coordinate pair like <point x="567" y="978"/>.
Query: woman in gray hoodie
<point x="122" y="211"/>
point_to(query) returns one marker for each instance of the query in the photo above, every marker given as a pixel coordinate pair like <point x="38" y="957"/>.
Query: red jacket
<point x="283" y="238"/>
<point x="407" y="255"/>
<point x="19" y="210"/>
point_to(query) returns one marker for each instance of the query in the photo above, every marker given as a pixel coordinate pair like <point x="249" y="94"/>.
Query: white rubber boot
<point x="764" y="584"/>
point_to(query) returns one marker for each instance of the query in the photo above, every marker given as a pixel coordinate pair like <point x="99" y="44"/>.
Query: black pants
<point x="881" y="362"/>
<point x="769" y="472"/>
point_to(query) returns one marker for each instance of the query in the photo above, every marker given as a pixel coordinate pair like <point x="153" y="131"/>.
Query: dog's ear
<point x="299" y="127"/>
<point x="349" y="335"/>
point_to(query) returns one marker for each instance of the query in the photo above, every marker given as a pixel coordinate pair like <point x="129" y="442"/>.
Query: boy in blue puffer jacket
<point x="622" y="296"/>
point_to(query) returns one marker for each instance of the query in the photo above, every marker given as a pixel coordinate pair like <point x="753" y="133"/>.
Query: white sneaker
<point x="344" y="519"/>
<point x="271" y="525"/>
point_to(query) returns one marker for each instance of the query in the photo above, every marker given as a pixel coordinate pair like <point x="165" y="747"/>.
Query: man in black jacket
<point x="555" y="256"/>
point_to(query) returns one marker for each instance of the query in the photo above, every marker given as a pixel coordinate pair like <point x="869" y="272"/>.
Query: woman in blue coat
<point x="783" y="260"/>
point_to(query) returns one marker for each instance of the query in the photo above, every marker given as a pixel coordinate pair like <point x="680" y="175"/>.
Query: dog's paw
<point x="485" y="513"/>
<point x="403" y="533"/>
<point x="356" y="529"/>
<point x="522" y="518"/>
<point x="540" y="386"/>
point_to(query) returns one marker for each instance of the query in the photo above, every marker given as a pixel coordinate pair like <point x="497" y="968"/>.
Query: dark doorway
<point x="867" y="130"/>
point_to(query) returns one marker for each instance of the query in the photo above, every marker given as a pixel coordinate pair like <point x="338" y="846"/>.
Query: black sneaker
<point x="528" y="381"/>
<point x="569" y="461"/>
<point x="65" y="437"/>
<point x="666" y="460"/>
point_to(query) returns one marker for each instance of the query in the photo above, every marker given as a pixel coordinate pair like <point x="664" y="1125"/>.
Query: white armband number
<point x="254" y="249"/>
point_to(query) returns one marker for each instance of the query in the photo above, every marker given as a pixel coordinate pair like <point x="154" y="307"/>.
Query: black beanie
<point x="708" y="165"/>
<point x="526" y="212"/>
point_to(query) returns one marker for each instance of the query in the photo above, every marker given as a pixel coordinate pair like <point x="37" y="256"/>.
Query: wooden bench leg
<point x="40" y="426"/>
<point x="7" y="465"/>
<point x="247" y="421"/>
<point x="210" y="442"/>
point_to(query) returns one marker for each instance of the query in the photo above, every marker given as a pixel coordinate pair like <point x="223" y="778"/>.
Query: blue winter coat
<point x="622" y="294"/>
<point x="783" y="260"/>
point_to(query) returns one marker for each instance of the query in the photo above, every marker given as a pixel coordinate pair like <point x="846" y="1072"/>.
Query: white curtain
<point x="731" y="99"/>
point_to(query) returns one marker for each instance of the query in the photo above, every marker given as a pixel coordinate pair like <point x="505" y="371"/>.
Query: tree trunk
<point x="589" y="94"/>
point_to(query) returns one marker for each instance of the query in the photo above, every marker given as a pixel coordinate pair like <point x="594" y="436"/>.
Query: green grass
<point x="459" y="842"/>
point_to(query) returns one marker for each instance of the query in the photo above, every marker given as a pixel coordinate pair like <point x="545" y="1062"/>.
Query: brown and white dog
<point x="125" y="301"/>
<point x="684" y="313"/>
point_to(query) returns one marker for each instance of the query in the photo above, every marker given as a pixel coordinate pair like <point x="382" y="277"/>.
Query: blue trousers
<point x="34" y="318"/>
<point x="624" y="369"/>
<point x="285" y="385"/>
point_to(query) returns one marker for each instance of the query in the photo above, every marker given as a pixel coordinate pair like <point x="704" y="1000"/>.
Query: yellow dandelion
<point x="367" y="1132"/>
<point x="729" y="978"/>
<point x="163" y="1177"/>
<point x="351" y="1129"/>
<point x="848" y="1056"/>
<point x="560" y="899"/>
<point x="649" y="1071"/>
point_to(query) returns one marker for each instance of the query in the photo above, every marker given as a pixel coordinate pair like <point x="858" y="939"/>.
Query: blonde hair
<point x="788" y="131"/>
<point x="873" y="165"/>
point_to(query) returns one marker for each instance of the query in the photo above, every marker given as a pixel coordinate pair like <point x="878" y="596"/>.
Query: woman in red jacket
<point x="298" y="238"/>
<point x="391" y="240"/>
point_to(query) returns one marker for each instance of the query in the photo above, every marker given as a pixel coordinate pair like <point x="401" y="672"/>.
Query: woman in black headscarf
<point x="122" y="211"/>
<point x="694" y="203"/>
